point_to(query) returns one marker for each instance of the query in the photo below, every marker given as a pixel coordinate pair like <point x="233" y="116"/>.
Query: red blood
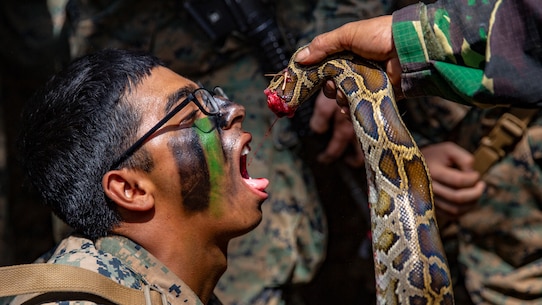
<point x="278" y="105"/>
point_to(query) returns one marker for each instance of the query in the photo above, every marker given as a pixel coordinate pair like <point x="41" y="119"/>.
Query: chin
<point x="251" y="226"/>
<point x="256" y="224"/>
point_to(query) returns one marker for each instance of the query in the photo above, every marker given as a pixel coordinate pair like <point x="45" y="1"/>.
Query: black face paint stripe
<point x="193" y="170"/>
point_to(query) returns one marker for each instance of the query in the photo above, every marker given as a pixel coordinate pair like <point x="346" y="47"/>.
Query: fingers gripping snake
<point x="410" y="264"/>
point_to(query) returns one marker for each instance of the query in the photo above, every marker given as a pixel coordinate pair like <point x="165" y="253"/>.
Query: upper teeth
<point x="245" y="151"/>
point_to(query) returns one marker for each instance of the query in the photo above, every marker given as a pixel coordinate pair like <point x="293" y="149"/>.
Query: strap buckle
<point x="508" y="130"/>
<point x="154" y="295"/>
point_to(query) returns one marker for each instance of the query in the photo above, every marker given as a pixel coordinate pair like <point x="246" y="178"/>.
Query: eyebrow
<point x="174" y="97"/>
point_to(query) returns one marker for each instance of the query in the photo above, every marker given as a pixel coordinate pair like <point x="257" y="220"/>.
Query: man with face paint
<point x="147" y="167"/>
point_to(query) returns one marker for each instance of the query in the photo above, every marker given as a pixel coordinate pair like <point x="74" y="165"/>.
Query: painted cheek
<point x="214" y="155"/>
<point x="193" y="171"/>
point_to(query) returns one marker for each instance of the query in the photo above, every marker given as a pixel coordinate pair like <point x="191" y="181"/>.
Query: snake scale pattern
<point x="410" y="264"/>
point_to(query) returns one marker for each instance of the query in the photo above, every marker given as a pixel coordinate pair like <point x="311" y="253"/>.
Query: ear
<point x="128" y="189"/>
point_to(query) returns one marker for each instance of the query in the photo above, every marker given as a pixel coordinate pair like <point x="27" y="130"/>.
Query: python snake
<point x="410" y="264"/>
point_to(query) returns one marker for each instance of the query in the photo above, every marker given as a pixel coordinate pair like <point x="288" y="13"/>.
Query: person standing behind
<point x="483" y="53"/>
<point x="491" y="221"/>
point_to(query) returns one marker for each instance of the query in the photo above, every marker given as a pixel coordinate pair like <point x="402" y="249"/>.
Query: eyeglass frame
<point x="190" y="98"/>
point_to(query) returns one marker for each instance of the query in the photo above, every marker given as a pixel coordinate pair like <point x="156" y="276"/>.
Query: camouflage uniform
<point x="289" y="245"/>
<point x="479" y="52"/>
<point x="125" y="262"/>
<point x="496" y="253"/>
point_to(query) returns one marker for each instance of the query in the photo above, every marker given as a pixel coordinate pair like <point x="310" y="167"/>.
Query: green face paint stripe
<point x="212" y="150"/>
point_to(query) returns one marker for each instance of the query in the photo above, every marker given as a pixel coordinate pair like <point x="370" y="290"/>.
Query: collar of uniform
<point x="149" y="267"/>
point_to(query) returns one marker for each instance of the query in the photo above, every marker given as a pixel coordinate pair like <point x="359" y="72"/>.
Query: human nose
<point x="230" y="113"/>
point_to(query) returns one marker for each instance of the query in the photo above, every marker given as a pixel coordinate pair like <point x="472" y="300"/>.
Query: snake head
<point x="281" y="98"/>
<point x="278" y="105"/>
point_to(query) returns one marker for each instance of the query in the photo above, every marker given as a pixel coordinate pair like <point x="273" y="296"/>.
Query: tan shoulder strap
<point x="42" y="283"/>
<point x="508" y="130"/>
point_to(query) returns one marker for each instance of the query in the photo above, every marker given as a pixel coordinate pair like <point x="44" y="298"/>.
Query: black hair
<point x="74" y="129"/>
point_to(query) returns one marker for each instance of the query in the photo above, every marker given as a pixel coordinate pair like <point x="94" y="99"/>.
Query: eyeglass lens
<point x="207" y="100"/>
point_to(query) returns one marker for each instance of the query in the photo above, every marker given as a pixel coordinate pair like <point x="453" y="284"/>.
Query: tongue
<point x="258" y="183"/>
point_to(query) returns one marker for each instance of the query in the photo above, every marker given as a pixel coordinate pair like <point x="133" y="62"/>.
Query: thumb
<point x="319" y="48"/>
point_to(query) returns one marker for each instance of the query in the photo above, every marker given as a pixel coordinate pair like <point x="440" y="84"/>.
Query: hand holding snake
<point x="410" y="264"/>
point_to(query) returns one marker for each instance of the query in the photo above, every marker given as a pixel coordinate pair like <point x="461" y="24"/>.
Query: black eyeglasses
<point x="203" y="98"/>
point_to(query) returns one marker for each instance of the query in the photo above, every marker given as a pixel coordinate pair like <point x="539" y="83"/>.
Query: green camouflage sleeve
<point x="472" y="52"/>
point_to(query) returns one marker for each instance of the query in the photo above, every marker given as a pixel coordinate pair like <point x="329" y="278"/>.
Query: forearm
<point x="485" y="53"/>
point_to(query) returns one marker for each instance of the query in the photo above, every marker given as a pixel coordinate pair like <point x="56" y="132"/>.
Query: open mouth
<point x="244" y="154"/>
<point x="259" y="183"/>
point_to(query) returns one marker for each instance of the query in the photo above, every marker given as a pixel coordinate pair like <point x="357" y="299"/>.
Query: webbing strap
<point x="52" y="282"/>
<point x="508" y="130"/>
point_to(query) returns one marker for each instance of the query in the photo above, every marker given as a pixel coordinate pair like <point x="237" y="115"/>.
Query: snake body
<point x="410" y="264"/>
